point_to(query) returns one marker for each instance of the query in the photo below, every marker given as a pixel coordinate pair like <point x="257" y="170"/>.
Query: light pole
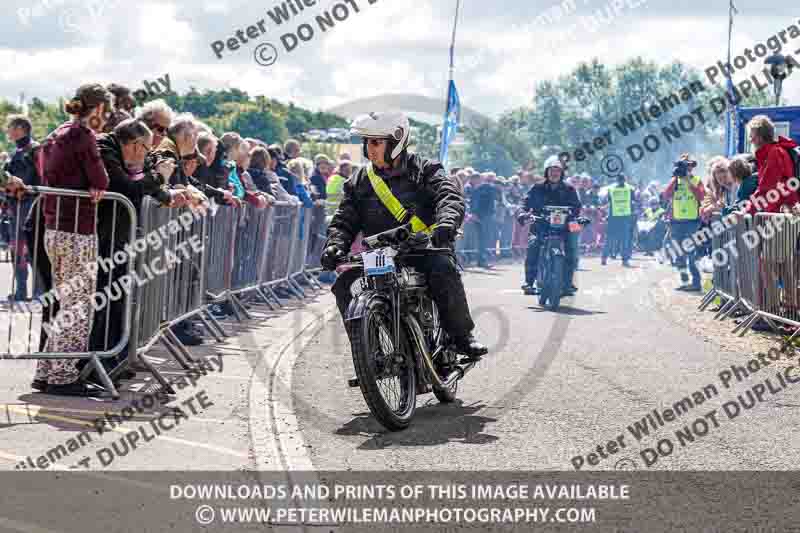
<point x="777" y="70"/>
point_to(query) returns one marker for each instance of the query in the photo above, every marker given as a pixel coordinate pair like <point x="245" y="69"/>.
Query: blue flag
<point x="451" y="120"/>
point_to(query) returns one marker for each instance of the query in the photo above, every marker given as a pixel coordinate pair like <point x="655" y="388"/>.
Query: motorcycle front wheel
<point x="386" y="373"/>
<point x="555" y="281"/>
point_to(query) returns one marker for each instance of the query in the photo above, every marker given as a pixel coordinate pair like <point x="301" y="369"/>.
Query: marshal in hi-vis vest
<point x="684" y="205"/>
<point x="393" y="204"/>
<point x="620" y="200"/>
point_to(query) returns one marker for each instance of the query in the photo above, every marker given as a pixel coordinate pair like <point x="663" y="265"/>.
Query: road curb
<point x="276" y="439"/>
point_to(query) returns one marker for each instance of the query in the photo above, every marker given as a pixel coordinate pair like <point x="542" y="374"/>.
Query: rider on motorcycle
<point x="427" y="194"/>
<point x="552" y="192"/>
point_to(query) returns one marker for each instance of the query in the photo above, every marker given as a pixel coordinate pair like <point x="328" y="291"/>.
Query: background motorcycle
<point x="552" y="254"/>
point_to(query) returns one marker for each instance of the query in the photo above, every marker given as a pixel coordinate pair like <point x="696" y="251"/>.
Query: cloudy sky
<point x="49" y="47"/>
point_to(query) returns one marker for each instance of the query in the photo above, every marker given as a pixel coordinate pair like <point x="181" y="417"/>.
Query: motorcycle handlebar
<point x="393" y="236"/>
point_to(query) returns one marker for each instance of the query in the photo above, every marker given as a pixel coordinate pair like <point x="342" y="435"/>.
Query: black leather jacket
<point x="546" y="193"/>
<point x="420" y="185"/>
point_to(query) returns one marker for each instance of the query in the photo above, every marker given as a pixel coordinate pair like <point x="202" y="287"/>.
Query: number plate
<point x="379" y="262"/>
<point x="556" y="219"/>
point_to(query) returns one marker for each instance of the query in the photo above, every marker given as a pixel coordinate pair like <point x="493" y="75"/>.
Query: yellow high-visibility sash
<point x="394" y="206"/>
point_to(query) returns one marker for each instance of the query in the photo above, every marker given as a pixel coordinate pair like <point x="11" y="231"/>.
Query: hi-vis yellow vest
<point x="393" y="204"/>
<point x="334" y="189"/>
<point x="620" y="200"/>
<point x="684" y="205"/>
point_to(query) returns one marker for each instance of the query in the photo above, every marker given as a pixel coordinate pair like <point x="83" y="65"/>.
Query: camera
<point x="681" y="169"/>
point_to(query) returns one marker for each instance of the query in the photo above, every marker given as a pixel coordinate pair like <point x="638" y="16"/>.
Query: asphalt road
<point x="555" y="387"/>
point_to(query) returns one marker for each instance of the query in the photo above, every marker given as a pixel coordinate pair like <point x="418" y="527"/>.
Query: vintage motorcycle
<point x="552" y="254"/>
<point x="399" y="347"/>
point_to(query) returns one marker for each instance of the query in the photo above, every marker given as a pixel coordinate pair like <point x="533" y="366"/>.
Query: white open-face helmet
<point x="553" y="161"/>
<point x="390" y="125"/>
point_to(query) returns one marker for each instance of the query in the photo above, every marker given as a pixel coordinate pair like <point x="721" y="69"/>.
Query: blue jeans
<point x="620" y="229"/>
<point x="486" y="240"/>
<point x="681" y="230"/>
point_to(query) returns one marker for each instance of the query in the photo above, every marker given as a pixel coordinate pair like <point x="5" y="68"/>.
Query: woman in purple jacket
<point x="71" y="160"/>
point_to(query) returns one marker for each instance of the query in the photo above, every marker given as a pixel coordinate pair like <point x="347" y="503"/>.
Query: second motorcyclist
<point x="553" y="192"/>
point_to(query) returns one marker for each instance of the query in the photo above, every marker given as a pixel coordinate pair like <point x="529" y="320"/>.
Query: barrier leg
<point x="724" y="308"/>
<point x="264" y="298"/>
<point x="268" y="290"/>
<point x="174" y="352"/>
<point x="214" y="322"/>
<point x="236" y="303"/>
<point x="707" y="299"/>
<point x="165" y="385"/>
<point x="747" y="324"/>
<point x="730" y="311"/>
<point x="312" y="280"/>
<point x="209" y="328"/>
<point x="94" y="362"/>
<point x="295" y="288"/>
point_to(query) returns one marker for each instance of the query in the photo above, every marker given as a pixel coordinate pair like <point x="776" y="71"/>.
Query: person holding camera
<point x="686" y="192"/>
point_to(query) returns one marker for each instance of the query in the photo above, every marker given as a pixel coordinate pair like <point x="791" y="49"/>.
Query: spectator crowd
<point x="179" y="162"/>
<point x="150" y="151"/>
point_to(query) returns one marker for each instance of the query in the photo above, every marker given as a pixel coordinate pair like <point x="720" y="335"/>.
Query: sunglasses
<point x="190" y="157"/>
<point x="158" y="129"/>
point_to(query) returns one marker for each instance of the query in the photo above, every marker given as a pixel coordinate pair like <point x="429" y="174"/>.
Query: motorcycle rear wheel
<point x="376" y="360"/>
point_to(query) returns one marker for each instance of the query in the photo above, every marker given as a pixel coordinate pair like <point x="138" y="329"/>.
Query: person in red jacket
<point x="775" y="168"/>
<point x="71" y="160"/>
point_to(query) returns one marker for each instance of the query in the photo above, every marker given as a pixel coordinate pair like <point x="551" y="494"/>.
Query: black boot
<point x="470" y="347"/>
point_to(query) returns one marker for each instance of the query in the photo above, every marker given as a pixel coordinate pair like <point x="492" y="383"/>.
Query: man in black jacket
<point x="420" y="186"/>
<point x="126" y="147"/>
<point x="22" y="165"/>
<point x="552" y="192"/>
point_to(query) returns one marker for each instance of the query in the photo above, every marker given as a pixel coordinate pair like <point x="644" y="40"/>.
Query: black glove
<point x="442" y="237"/>
<point x="331" y="257"/>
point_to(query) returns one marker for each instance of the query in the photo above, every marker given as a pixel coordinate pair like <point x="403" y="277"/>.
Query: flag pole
<point x="453" y="40"/>
<point x="452" y="66"/>
<point x="730" y="115"/>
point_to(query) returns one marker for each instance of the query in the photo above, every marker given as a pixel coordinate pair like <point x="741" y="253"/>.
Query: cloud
<point x="388" y="47"/>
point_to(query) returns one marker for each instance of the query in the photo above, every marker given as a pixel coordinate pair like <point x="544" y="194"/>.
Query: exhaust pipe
<point x="460" y="371"/>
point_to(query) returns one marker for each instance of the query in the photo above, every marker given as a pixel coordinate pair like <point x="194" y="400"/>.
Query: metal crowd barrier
<point x="178" y="267"/>
<point x="762" y="277"/>
<point x="316" y="243"/>
<point x="725" y="275"/>
<point x="276" y="267"/>
<point x="41" y="319"/>
<point x="299" y="256"/>
<point x="777" y="279"/>
<point x="253" y="244"/>
<point x="173" y="267"/>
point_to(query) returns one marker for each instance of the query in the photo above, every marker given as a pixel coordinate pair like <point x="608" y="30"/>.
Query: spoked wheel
<point x="385" y="372"/>
<point x="543" y="281"/>
<point x="555" y="281"/>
